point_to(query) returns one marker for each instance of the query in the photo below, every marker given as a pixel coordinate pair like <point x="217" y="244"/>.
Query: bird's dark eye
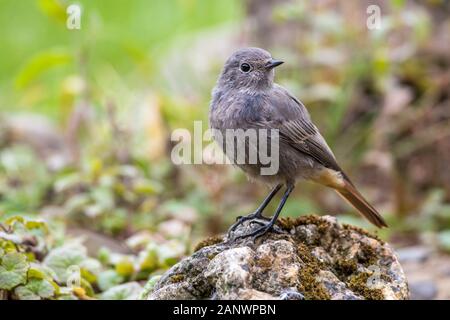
<point x="245" y="67"/>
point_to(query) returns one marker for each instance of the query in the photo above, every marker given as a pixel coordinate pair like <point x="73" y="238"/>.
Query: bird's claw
<point x="241" y="219"/>
<point x="258" y="232"/>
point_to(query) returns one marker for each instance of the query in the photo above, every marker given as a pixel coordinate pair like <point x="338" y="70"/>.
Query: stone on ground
<point x="309" y="258"/>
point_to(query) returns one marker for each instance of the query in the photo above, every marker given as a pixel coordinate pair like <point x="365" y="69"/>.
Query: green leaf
<point x="147" y="187"/>
<point x="10" y="221"/>
<point x="103" y="197"/>
<point x="35" y="224"/>
<point x="13" y="270"/>
<point x="108" y="279"/>
<point x="125" y="267"/>
<point x="36" y="273"/>
<point x="88" y="275"/>
<point x="39" y="64"/>
<point x="35" y="289"/>
<point x="54" y="9"/>
<point x="61" y="259"/>
<point x="104" y="255"/>
<point x="149" y="259"/>
<point x="126" y="291"/>
<point x="87" y="287"/>
<point x="115" y="221"/>
<point x="40" y="271"/>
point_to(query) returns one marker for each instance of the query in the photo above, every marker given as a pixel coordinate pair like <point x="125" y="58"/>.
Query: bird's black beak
<point x="273" y="63"/>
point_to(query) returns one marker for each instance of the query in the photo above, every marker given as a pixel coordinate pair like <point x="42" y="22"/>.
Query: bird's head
<point x="249" y="68"/>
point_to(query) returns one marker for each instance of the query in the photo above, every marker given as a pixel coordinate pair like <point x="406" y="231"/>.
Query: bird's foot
<point x="259" y="232"/>
<point x="241" y="219"/>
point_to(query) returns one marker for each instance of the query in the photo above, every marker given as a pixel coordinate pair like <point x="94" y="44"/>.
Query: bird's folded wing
<point x="297" y="130"/>
<point x="308" y="142"/>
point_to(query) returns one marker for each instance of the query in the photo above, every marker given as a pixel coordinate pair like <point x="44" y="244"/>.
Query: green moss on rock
<point x="289" y="223"/>
<point x="208" y="242"/>
<point x="358" y="283"/>
<point x="177" y="278"/>
<point x="345" y="267"/>
<point x="367" y="255"/>
<point x="308" y="285"/>
<point x="363" y="232"/>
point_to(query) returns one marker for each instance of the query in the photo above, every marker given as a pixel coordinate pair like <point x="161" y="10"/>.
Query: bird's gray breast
<point x="236" y="109"/>
<point x="239" y="122"/>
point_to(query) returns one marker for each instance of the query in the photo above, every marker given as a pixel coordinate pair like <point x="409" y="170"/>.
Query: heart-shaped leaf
<point x="13" y="270"/>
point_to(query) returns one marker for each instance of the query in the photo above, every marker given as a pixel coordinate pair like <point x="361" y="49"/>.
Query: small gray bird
<point x="246" y="97"/>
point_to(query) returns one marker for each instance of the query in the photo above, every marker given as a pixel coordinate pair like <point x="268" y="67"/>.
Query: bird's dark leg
<point x="266" y="228"/>
<point x="258" y="213"/>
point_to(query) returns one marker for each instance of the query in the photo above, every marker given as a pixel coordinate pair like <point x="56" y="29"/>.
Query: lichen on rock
<point x="308" y="258"/>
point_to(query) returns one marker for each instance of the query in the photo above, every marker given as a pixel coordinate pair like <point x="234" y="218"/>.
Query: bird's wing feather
<point x="297" y="129"/>
<point x="311" y="144"/>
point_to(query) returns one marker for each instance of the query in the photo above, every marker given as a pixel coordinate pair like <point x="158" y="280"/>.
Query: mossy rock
<point x="308" y="258"/>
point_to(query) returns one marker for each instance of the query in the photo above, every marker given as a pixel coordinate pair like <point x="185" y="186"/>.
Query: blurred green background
<point x="86" y="117"/>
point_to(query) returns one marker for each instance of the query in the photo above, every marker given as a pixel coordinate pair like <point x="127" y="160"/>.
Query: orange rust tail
<point x="349" y="193"/>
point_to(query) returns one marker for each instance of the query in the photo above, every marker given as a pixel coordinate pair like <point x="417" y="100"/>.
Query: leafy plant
<point x="34" y="267"/>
